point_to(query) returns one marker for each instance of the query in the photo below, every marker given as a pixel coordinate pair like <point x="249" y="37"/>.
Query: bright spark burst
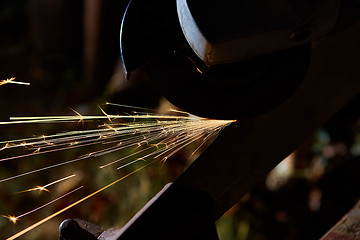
<point x="11" y="80"/>
<point x="147" y="137"/>
<point x="37" y="188"/>
<point x="12" y="219"/>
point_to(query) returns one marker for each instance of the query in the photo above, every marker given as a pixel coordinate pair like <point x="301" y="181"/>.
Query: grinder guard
<point x="224" y="87"/>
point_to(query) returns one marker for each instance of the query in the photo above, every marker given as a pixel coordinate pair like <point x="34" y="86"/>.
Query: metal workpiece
<point x="175" y="213"/>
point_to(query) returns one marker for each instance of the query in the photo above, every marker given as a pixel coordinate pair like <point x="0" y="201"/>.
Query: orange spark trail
<point x="44" y="188"/>
<point x="60" y="180"/>
<point x="11" y="80"/>
<point x="74" y="204"/>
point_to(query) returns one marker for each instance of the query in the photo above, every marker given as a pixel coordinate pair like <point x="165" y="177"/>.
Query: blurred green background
<point x="69" y="52"/>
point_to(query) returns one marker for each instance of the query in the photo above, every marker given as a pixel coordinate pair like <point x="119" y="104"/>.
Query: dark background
<point x="69" y="52"/>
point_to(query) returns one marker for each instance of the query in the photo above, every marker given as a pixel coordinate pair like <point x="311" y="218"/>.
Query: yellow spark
<point x="11" y="80"/>
<point x="47" y="142"/>
<point x="123" y="158"/>
<point x="132" y="162"/>
<point x="37" y="188"/>
<point x="109" y="127"/>
<point x="77" y="113"/>
<point x="142" y="159"/>
<point x="107" y="115"/>
<point x="37" y="151"/>
<point x="74" y="143"/>
<point x="44" y="188"/>
<point x="12" y="219"/>
<point x="53" y="119"/>
<point x="178" y="111"/>
<point x="128" y="106"/>
<point x="4" y="147"/>
<point x="8" y="80"/>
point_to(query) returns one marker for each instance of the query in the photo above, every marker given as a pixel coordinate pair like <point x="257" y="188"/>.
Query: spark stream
<point x="146" y="138"/>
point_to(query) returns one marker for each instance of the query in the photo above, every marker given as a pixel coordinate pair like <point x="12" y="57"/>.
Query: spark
<point x="55" y="119"/>
<point x="107" y="115"/>
<point x="37" y="188"/>
<point x="131" y="142"/>
<point x="110" y="127"/>
<point x="132" y="162"/>
<point x="12" y="219"/>
<point x="127" y="106"/>
<point x="148" y="138"/>
<point x="5" y="146"/>
<point x="128" y="156"/>
<point x="37" y="150"/>
<point x="11" y="80"/>
<point x="44" y="188"/>
<point x="74" y="143"/>
<point x="178" y="147"/>
<point x="77" y="113"/>
<point x="45" y="141"/>
<point x="178" y="111"/>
